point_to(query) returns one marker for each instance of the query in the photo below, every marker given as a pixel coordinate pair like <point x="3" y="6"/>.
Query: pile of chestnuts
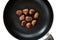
<point x="27" y="17"/>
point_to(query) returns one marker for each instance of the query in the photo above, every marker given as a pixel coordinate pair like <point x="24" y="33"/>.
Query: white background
<point x="55" y="30"/>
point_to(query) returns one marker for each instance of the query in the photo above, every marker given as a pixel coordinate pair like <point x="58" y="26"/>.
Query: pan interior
<point x="42" y="22"/>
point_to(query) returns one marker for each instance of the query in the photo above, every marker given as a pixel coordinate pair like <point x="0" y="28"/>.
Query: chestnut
<point x="23" y="23"/>
<point x="19" y="12"/>
<point x="22" y="17"/>
<point x="34" y="22"/>
<point x="25" y="11"/>
<point x="28" y="25"/>
<point x="31" y="11"/>
<point x="36" y="15"/>
<point x="28" y="18"/>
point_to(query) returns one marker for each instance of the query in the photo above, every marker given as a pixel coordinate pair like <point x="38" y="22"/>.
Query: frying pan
<point x="12" y="23"/>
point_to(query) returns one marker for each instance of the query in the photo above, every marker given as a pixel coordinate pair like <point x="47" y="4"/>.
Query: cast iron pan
<point x="12" y="22"/>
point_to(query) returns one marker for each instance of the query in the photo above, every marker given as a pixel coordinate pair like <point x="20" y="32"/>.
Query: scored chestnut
<point x="22" y="17"/>
<point x="28" y="25"/>
<point x="31" y="11"/>
<point x="34" y="22"/>
<point x="28" y="18"/>
<point x="25" y="11"/>
<point x="36" y="15"/>
<point x="23" y="23"/>
<point x="19" y="12"/>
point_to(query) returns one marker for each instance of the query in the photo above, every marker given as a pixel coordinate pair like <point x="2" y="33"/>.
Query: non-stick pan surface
<point x="12" y="22"/>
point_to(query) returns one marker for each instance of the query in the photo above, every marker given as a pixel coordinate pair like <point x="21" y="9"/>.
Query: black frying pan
<point x="12" y="22"/>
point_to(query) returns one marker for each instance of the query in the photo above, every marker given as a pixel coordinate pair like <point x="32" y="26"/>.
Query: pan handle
<point x="48" y="37"/>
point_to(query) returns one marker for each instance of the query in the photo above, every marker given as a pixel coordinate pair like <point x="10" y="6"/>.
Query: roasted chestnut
<point x="31" y="11"/>
<point x="22" y="17"/>
<point x="23" y="23"/>
<point x="34" y="22"/>
<point x="19" y="12"/>
<point x="36" y="15"/>
<point x="25" y="11"/>
<point x="28" y="25"/>
<point x="28" y="18"/>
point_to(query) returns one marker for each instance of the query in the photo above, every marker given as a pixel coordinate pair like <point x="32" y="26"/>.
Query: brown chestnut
<point x="28" y="25"/>
<point x="25" y="11"/>
<point x="23" y="23"/>
<point x="28" y="18"/>
<point x="36" y="15"/>
<point x="22" y="17"/>
<point x="31" y="11"/>
<point x="34" y="22"/>
<point x="19" y="12"/>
